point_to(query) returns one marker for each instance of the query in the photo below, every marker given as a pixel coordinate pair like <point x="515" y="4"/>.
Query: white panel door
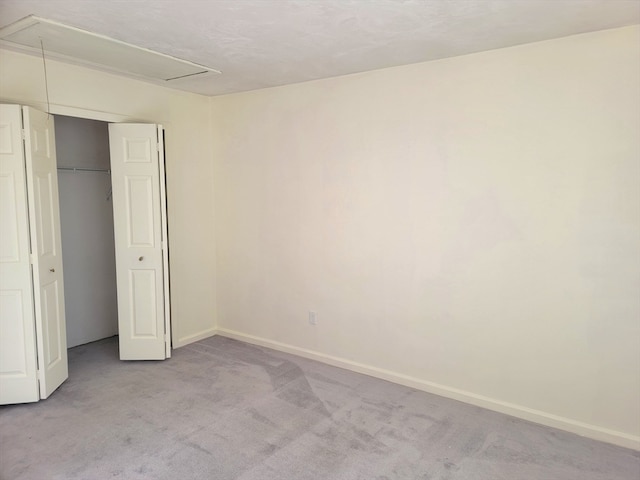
<point x="18" y="367"/>
<point x="44" y="222"/>
<point x="138" y="211"/>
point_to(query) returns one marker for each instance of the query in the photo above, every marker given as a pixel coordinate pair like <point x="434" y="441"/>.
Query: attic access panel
<point x="78" y="46"/>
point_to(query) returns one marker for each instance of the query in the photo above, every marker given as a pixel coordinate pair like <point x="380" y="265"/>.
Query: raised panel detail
<point x="137" y="150"/>
<point x="140" y="225"/>
<point x="6" y="146"/>
<point x="51" y="310"/>
<point x="13" y="361"/>
<point x="9" y="246"/>
<point x="48" y="135"/>
<point x="46" y="226"/>
<point x="35" y="142"/>
<point x="40" y="142"/>
<point x="143" y="304"/>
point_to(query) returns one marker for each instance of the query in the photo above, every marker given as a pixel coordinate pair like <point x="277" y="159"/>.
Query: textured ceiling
<point x="263" y="43"/>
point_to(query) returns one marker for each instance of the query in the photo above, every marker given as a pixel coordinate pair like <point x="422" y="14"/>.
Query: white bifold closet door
<point x="33" y="343"/>
<point x="140" y="227"/>
<point x="33" y="350"/>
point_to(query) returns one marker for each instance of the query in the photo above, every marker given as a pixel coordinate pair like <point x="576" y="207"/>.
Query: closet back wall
<point x="86" y="217"/>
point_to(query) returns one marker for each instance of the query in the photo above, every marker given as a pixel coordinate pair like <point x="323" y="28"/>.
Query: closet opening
<point x="65" y="232"/>
<point x="86" y="220"/>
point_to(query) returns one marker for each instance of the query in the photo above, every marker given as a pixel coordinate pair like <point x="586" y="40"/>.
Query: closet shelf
<point x="84" y="169"/>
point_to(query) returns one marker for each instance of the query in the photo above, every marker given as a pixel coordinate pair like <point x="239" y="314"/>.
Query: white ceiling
<point x="263" y="43"/>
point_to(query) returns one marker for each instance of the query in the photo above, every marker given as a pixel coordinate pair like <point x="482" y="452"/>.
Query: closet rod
<point x="84" y="169"/>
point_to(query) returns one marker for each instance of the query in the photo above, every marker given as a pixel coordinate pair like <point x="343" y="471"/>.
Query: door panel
<point x="143" y="292"/>
<point x="44" y="220"/>
<point x="43" y="183"/>
<point x="138" y="207"/>
<point x="13" y="360"/>
<point x="18" y="367"/>
<point x="140" y="224"/>
<point x="9" y="246"/>
<point x="53" y="346"/>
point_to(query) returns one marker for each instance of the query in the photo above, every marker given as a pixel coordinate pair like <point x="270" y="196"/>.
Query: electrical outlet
<point x="313" y="318"/>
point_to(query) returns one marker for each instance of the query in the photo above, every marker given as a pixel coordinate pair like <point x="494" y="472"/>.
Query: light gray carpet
<point x="221" y="409"/>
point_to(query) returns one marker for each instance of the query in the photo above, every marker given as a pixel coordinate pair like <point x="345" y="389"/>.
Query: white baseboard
<point x="525" y="413"/>
<point x="181" y="342"/>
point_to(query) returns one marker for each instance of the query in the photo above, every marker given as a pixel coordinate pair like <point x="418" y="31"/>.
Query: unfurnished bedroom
<point x="320" y="239"/>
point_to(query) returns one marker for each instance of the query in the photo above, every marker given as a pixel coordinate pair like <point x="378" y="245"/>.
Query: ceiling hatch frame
<point x="81" y="47"/>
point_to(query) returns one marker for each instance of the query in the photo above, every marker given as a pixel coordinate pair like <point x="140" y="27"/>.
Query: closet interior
<point x="86" y="218"/>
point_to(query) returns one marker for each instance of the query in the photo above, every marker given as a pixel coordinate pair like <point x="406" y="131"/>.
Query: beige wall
<point x="187" y="119"/>
<point x="469" y="226"/>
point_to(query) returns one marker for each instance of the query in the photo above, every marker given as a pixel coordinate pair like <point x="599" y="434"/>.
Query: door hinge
<point x="23" y="133"/>
<point x="158" y="146"/>
<point x="32" y="259"/>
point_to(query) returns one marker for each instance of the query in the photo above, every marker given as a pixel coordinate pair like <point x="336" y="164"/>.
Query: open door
<point x="32" y="316"/>
<point x="139" y="204"/>
<point x="18" y="367"/>
<point x="46" y="248"/>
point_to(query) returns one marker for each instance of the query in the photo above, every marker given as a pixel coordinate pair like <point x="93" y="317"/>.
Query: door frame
<point x="88" y="114"/>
